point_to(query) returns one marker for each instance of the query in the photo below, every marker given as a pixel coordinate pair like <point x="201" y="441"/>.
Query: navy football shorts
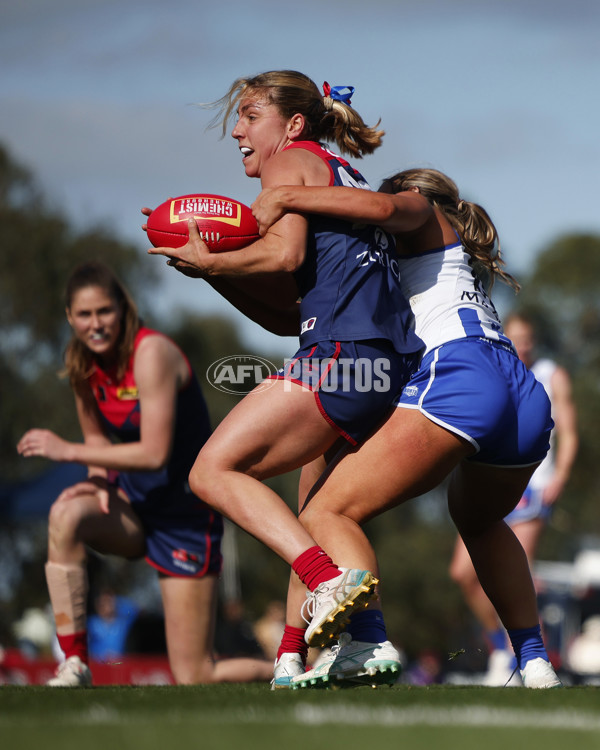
<point x="479" y="389"/>
<point x="183" y="534"/>
<point x="354" y="383"/>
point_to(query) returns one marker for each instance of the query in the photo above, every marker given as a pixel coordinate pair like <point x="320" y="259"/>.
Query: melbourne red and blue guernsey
<point x="183" y="534"/>
<point x="349" y="283"/>
<point x="119" y="406"/>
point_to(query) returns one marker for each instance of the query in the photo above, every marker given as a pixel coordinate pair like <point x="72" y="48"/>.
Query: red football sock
<point x="315" y="566"/>
<point x="292" y="642"/>
<point x="74" y="644"/>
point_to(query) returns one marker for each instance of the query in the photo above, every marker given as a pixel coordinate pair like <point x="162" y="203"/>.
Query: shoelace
<point x="345" y="639"/>
<point x="307" y="609"/>
<point x="511" y="676"/>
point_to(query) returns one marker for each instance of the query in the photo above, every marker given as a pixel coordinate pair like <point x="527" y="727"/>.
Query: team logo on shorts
<point x="411" y="391"/>
<point x="186" y="560"/>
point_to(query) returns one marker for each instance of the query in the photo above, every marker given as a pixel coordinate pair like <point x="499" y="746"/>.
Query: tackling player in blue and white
<point x="473" y="413"/>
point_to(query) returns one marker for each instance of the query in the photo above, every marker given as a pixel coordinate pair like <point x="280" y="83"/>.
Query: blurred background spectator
<point x="109" y="625"/>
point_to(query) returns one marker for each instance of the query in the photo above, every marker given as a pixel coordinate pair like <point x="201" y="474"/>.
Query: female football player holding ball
<point x="352" y="311"/>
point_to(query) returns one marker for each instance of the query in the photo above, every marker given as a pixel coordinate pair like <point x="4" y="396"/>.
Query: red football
<point x="223" y="223"/>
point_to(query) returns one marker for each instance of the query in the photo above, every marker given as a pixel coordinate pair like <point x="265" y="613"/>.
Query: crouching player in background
<point x="134" y="385"/>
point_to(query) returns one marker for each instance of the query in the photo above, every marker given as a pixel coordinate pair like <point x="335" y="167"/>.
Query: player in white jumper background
<point x="529" y="518"/>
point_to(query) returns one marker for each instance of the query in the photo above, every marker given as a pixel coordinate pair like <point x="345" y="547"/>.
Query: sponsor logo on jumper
<point x="239" y="373"/>
<point x="380" y="255"/>
<point x="344" y="374"/>
<point x="129" y="393"/>
<point x="480" y="297"/>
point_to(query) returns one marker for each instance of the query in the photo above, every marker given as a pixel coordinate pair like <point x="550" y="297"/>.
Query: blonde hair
<point x="79" y="360"/>
<point x="520" y="316"/>
<point x="291" y="93"/>
<point x="469" y="220"/>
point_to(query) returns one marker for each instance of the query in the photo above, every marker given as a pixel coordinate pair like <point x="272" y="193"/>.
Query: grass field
<point x="251" y="716"/>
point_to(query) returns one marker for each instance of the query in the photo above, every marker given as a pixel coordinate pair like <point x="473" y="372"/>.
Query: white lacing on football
<point x="210" y="236"/>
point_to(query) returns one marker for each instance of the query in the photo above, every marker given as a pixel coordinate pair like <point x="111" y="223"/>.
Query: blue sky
<point x="97" y="98"/>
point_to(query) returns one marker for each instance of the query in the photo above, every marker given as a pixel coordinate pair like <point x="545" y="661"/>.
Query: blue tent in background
<point x="33" y="498"/>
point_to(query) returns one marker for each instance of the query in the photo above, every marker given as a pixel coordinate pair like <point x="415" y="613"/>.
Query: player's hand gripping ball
<point x="223" y="223"/>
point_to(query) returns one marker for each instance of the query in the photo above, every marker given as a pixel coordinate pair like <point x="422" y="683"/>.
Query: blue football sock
<point x="528" y="644"/>
<point x="368" y="626"/>
<point x="498" y="639"/>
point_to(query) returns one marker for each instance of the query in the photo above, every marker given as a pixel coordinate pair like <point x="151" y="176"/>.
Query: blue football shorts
<point x="354" y="382"/>
<point x="530" y="507"/>
<point x="183" y="534"/>
<point x="479" y="389"/>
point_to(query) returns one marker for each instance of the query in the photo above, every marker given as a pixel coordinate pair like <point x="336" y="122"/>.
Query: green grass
<point x="251" y="716"/>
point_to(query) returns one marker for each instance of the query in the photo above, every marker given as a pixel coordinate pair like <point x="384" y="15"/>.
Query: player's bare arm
<point x="565" y="420"/>
<point x="281" y="249"/>
<point x="403" y="212"/>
